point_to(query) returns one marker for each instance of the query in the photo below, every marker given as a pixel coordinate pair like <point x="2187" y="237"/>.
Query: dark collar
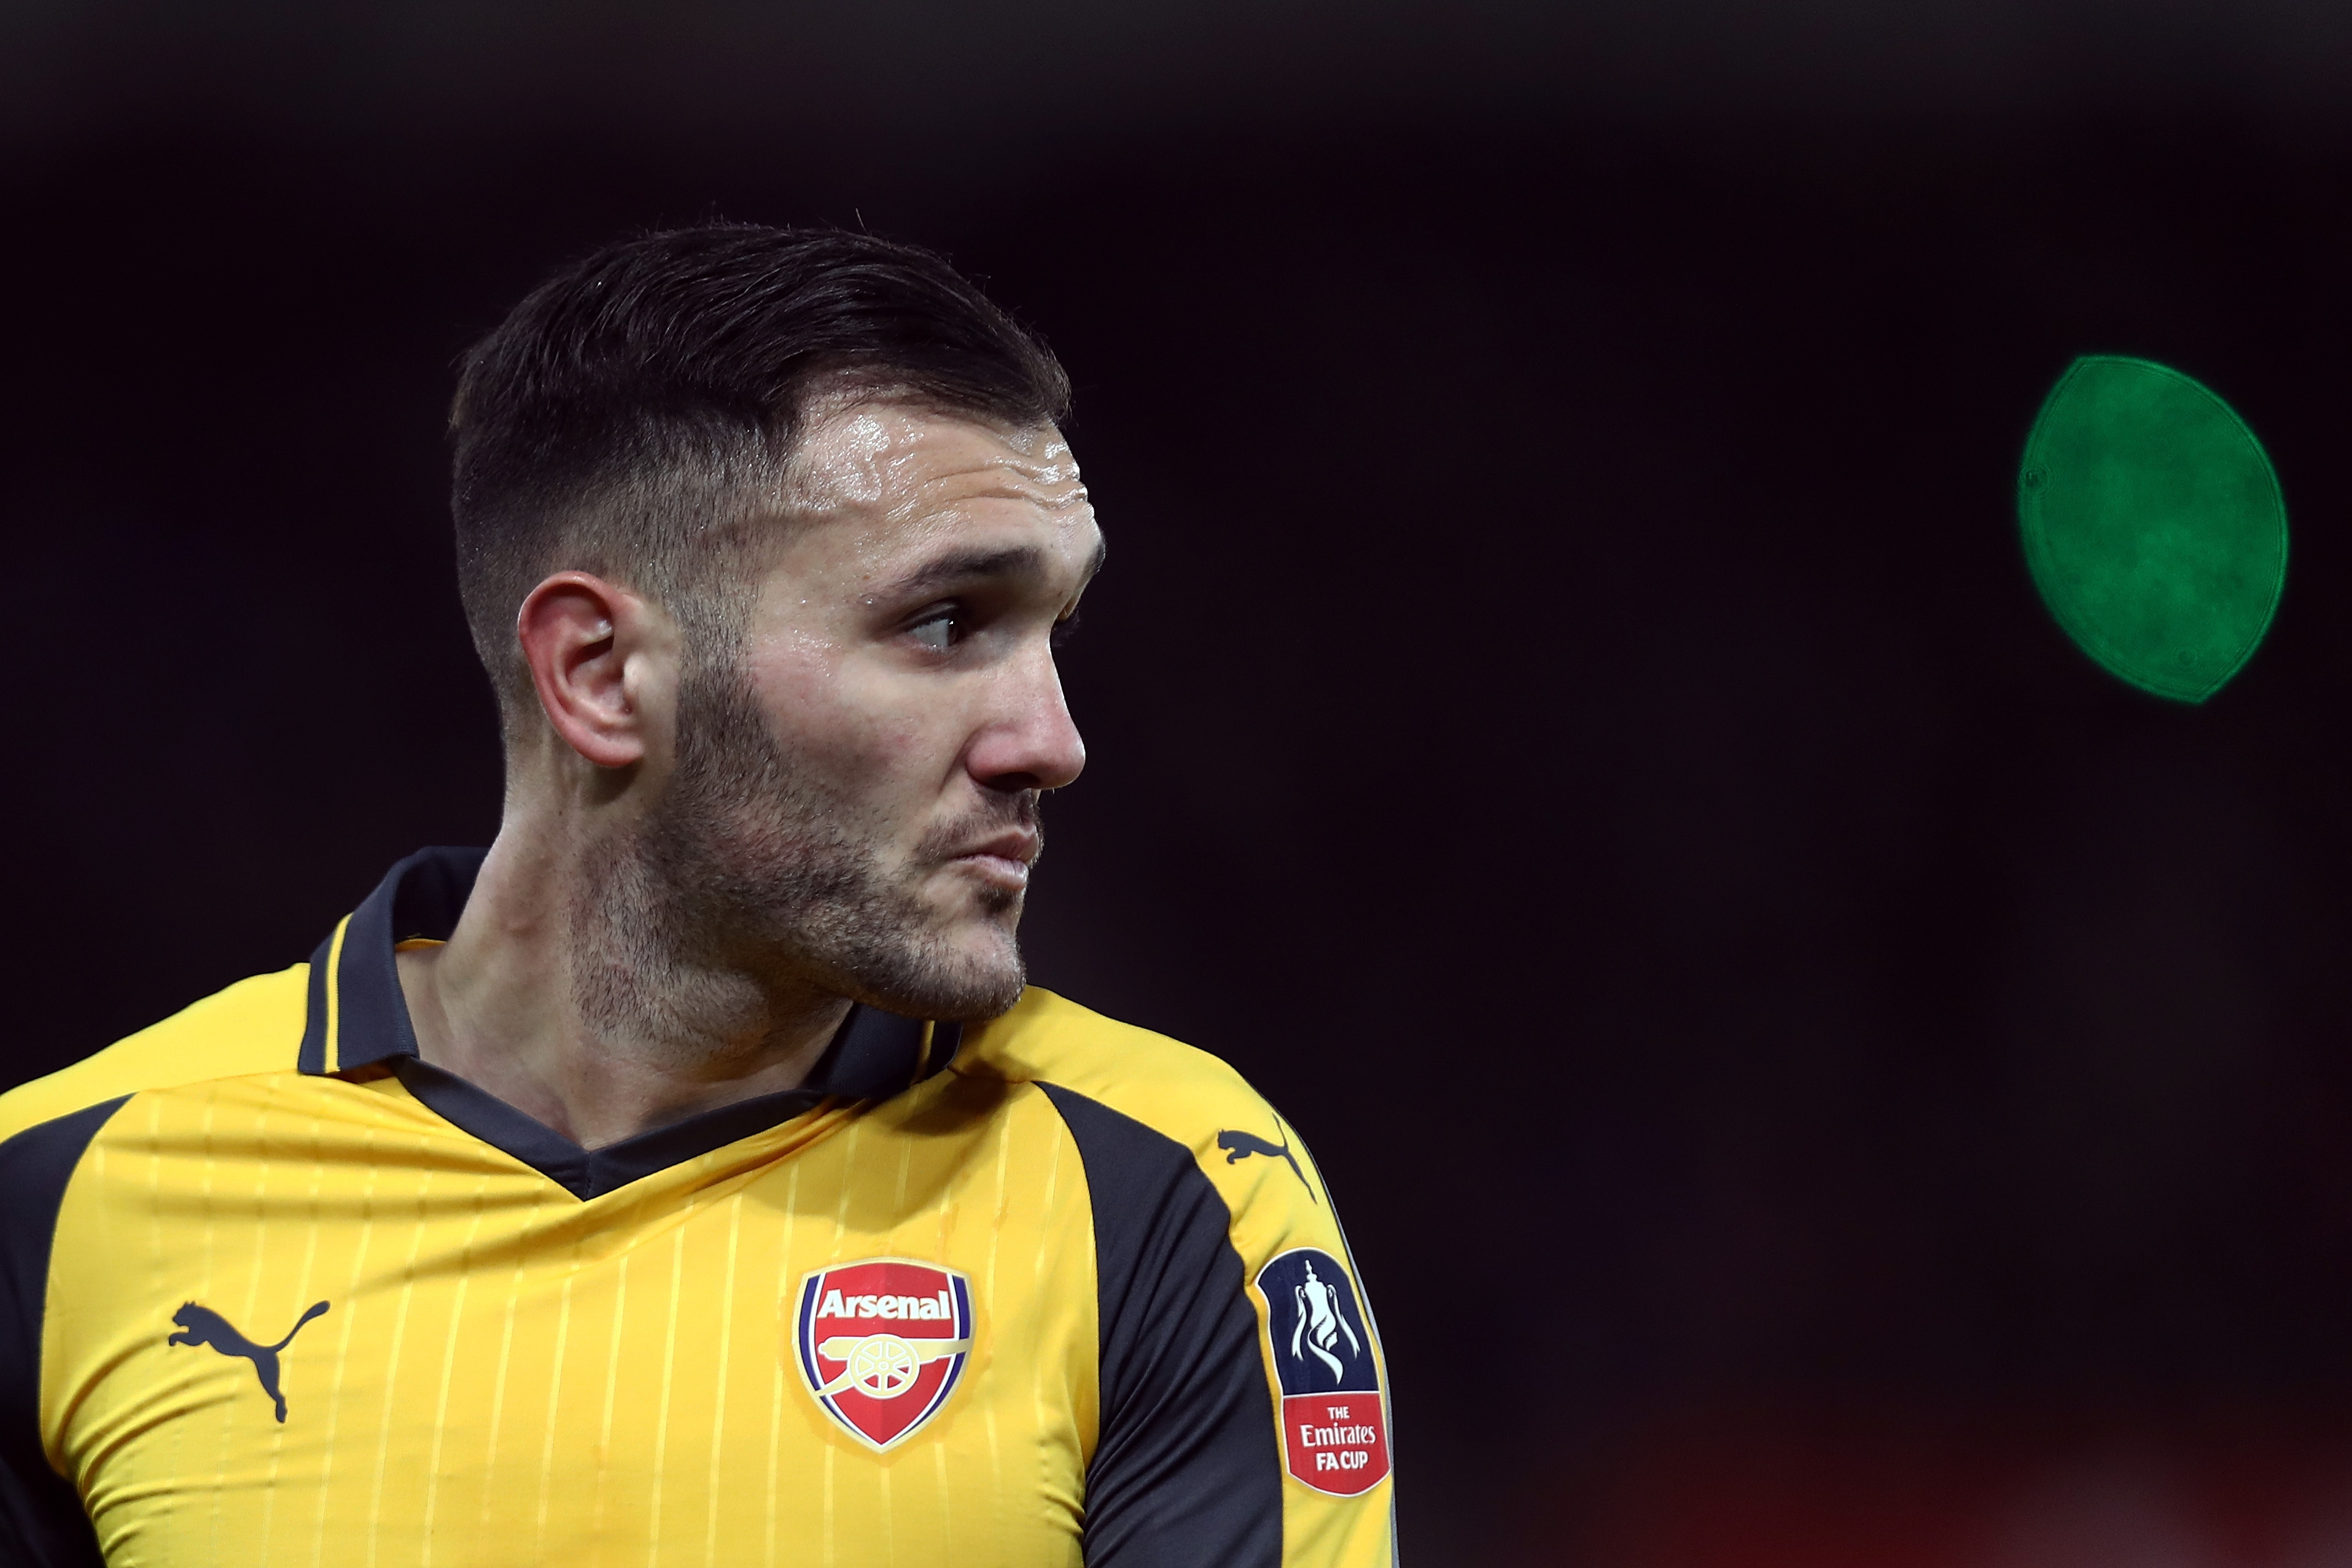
<point x="358" y="1018"/>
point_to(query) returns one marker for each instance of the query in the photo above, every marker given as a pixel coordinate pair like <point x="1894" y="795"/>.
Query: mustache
<point x="1019" y="810"/>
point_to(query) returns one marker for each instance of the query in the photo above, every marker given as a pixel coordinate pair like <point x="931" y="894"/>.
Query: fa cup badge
<point x="1334" y="1415"/>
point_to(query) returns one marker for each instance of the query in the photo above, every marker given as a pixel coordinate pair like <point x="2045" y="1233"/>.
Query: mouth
<point x="1002" y="861"/>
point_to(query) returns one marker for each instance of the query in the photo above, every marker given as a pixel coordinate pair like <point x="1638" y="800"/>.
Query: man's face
<point x="855" y="794"/>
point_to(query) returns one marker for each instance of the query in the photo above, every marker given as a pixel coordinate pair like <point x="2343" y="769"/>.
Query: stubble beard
<point x="752" y="878"/>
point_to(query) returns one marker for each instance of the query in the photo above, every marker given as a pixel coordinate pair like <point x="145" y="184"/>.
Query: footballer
<point x="691" y="1176"/>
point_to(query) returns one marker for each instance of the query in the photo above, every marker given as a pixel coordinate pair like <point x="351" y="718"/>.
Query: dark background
<point x="1568" y="716"/>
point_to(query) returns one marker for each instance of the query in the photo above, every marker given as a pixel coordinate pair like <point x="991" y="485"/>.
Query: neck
<point x="558" y="994"/>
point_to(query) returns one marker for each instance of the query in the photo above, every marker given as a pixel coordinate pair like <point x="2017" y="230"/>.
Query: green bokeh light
<point x="2153" y="525"/>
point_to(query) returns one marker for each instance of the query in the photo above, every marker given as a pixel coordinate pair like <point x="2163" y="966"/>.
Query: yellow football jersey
<point x="1050" y="1289"/>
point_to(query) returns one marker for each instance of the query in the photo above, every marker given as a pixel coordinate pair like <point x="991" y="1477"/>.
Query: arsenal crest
<point x="882" y="1343"/>
<point x="1335" y="1431"/>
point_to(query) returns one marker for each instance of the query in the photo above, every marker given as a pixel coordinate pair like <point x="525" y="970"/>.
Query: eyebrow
<point x="1022" y="562"/>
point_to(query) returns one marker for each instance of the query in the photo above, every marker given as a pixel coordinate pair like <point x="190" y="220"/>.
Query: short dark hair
<point x="633" y="415"/>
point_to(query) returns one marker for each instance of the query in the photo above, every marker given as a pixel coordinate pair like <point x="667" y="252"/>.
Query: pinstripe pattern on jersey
<point x="534" y="1354"/>
<point x="597" y="1374"/>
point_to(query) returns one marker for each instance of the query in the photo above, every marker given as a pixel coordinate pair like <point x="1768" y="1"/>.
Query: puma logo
<point x="202" y="1325"/>
<point x="1242" y="1145"/>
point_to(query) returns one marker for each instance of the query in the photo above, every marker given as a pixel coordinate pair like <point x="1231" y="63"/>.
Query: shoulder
<point x="1140" y="1084"/>
<point x="254" y="1025"/>
<point x="1052" y="1040"/>
<point x="1162" y="1082"/>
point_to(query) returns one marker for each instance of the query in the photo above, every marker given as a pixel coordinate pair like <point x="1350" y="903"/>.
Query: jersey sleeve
<point x="1244" y="1417"/>
<point x="1184" y="1469"/>
<point x="1244" y="1400"/>
<point x="42" y="1524"/>
<point x="1320" y="1364"/>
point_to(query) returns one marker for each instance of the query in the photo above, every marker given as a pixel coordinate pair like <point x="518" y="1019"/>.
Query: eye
<point x="1065" y="629"/>
<point x="937" y="631"/>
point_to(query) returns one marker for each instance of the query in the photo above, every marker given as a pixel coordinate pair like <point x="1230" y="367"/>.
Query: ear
<point x="596" y="652"/>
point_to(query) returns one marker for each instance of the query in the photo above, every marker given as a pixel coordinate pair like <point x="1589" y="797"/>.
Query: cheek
<point x="857" y="727"/>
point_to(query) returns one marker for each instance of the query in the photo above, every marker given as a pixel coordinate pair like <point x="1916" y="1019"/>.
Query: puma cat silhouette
<point x="202" y="1325"/>
<point x="1242" y="1145"/>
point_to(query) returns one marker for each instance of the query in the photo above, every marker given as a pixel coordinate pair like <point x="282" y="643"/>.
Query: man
<point x="692" y="1177"/>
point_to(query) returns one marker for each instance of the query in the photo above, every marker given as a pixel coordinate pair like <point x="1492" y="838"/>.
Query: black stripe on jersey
<point x="872" y="1056"/>
<point x="429" y="890"/>
<point x="312" y="1057"/>
<point x="42" y="1524"/>
<point x="1188" y="1471"/>
<point x="947" y="1038"/>
<point x="422" y="896"/>
<point x="590" y="1172"/>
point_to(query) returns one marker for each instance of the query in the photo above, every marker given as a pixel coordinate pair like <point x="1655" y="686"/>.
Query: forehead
<point x="880" y="478"/>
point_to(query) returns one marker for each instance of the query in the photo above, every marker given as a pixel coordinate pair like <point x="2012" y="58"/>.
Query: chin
<point x="988" y="965"/>
<point x="965" y="974"/>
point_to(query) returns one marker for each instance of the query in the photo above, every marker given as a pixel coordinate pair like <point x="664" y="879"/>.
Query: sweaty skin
<point x="899" y="654"/>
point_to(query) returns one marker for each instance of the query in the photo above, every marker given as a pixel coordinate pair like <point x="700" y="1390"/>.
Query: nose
<point x="1029" y="741"/>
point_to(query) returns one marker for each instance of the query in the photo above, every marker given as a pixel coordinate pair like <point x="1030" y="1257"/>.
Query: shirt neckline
<point x="358" y="1018"/>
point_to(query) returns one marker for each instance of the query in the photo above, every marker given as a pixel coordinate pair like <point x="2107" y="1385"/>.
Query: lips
<point x="1004" y="857"/>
